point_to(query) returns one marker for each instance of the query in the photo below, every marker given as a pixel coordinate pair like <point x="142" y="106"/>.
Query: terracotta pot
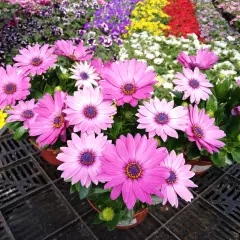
<point x="50" y="155"/>
<point x="200" y="166"/>
<point x="137" y="217"/>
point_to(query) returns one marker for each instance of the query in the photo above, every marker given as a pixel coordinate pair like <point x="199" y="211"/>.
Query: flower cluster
<point x="183" y="20"/>
<point x="111" y="21"/>
<point x="149" y="16"/>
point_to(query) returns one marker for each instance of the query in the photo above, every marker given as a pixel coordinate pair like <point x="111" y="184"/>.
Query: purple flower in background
<point x="236" y="111"/>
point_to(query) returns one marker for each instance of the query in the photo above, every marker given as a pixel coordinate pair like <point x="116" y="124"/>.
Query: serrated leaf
<point x="19" y="132"/>
<point x="212" y="104"/>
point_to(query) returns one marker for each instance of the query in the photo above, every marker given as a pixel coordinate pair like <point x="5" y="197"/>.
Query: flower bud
<point x="107" y="214"/>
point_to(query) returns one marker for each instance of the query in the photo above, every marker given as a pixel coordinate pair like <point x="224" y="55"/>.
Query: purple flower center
<point x="198" y="132"/>
<point x="90" y="112"/>
<point x="10" y="88"/>
<point x="58" y="121"/>
<point x="36" y="61"/>
<point x="28" y="114"/>
<point x="84" y="76"/>
<point x="193" y="65"/>
<point x="194" y="83"/>
<point x="172" y="178"/>
<point x="133" y="170"/>
<point x="128" y="89"/>
<point x="87" y="158"/>
<point x="162" y="118"/>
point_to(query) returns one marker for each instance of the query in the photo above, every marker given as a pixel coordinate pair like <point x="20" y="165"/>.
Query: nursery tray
<point x="36" y="204"/>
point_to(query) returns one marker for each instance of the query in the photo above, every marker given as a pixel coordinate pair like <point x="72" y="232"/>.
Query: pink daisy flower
<point x="178" y="181"/>
<point x="201" y="130"/>
<point x="88" y="112"/>
<point x="36" y="59"/>
<point x="82" y="158"/>
<point x="50" y="122"/>
<point x="127" y="82"/>
<point x="132" y="168"/>
<point x="238" y="82"/>
<point x="23" y="112"/>
<point x="205" y="59"/>
<point x="236" y="111"/>
<point x="13" y="86"/>
<point x="97" y="63"/>
<point x="160" y="118"/>
<point x="68" y="49"/>
<point x="194" y="85"/>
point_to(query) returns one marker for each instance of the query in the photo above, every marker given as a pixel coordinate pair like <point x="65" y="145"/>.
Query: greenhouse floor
<point x="36" y="204"/>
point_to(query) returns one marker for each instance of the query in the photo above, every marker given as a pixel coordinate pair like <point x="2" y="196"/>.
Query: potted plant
<point x="122" y="146"/>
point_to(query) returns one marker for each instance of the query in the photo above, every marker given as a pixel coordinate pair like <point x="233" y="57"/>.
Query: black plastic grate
<point x="18" y="180"/>
<point x="51" y="170"/>
<point x="140" y="232"/>
<point x="10" y="151"/>
<point x="80" y="206"/>
<point x="201" y="221"/>
<point x="203" y="181"/>
<point x="28" y="145"/>
<point x="37" y="216"/>
<point x="235" y="171"/>
<point x="163" y="234"/>
<point x="4" y="235"/>
<point x="225" y="195"/>
<point x="75" y="231"/>
<point x="164" y="213"/>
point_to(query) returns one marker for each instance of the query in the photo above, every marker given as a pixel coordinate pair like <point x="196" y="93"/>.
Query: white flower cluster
<point x="161" y="53"/>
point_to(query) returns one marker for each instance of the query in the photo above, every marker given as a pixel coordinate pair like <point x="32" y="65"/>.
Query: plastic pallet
<point x="203" y="181"/>
<point x="225" y="195"/>
<point x="163" y="234"/>
<point x="75" y="231"/>
<point x="18" y="180"/>
<point x="164" y="213"/>
<point x="202" y="221"/>
<point x="37" y="216"/>
<point x="80" y="206"/>
<point x="140" y="232"/>
<point x="10" y="151"/>
<point x="235" y="171"/>
<point x="51" y="170"/>
<point x="28" y="145"/>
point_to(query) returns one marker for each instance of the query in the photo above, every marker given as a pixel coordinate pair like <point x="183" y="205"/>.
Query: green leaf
<point x="220" y="158"/>
<point x="99" y="190"/>
<point x="192" y="151"/>
<point x="97" y="220"/>
<point x="212" y="104"/>
<point x="77" y="186"/>
<point x="156" y="200"/>
<point x="84" y="192"/>
<point x="236" y="155"/>
<point x="48" y="89"/>
<point x="112" y="224"/>
<point x="72" y="189"/>
<point x="13" y="125"/>
<point x="222" y="88"/>
<point x="19" y="132"/>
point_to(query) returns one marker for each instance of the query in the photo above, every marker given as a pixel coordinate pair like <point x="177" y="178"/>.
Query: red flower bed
<point x="183" y="19"/>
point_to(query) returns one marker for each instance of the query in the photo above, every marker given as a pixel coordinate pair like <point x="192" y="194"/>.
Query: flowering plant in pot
<point x="92" y="113"/>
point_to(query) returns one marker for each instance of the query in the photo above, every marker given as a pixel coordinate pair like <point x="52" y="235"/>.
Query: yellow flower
<point x="3" y="117"/>
<point x="160" y="80"/>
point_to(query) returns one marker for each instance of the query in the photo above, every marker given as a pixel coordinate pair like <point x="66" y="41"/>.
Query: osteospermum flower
<point x="13" y="86"/>
<point x="88" y="112"/>
<point x="194" y="85"/>
<point x="127" y="82"/>
<point x="50" y="122"/>
<point x="98" y="65"/>
<point x="82" y="158"/>
<point x="202" y="130"/>
<point x="236" y="111"/>
<point x="178" y="181"/>
<point x="160" y="118"/>
<point x="23" y="112"/>
<point x="68" y="49"/>
<point x="204" y="59"/>
<point x="132" y="168"/>
<point x="84" y="74"/>
<point x="35" y="60"/>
